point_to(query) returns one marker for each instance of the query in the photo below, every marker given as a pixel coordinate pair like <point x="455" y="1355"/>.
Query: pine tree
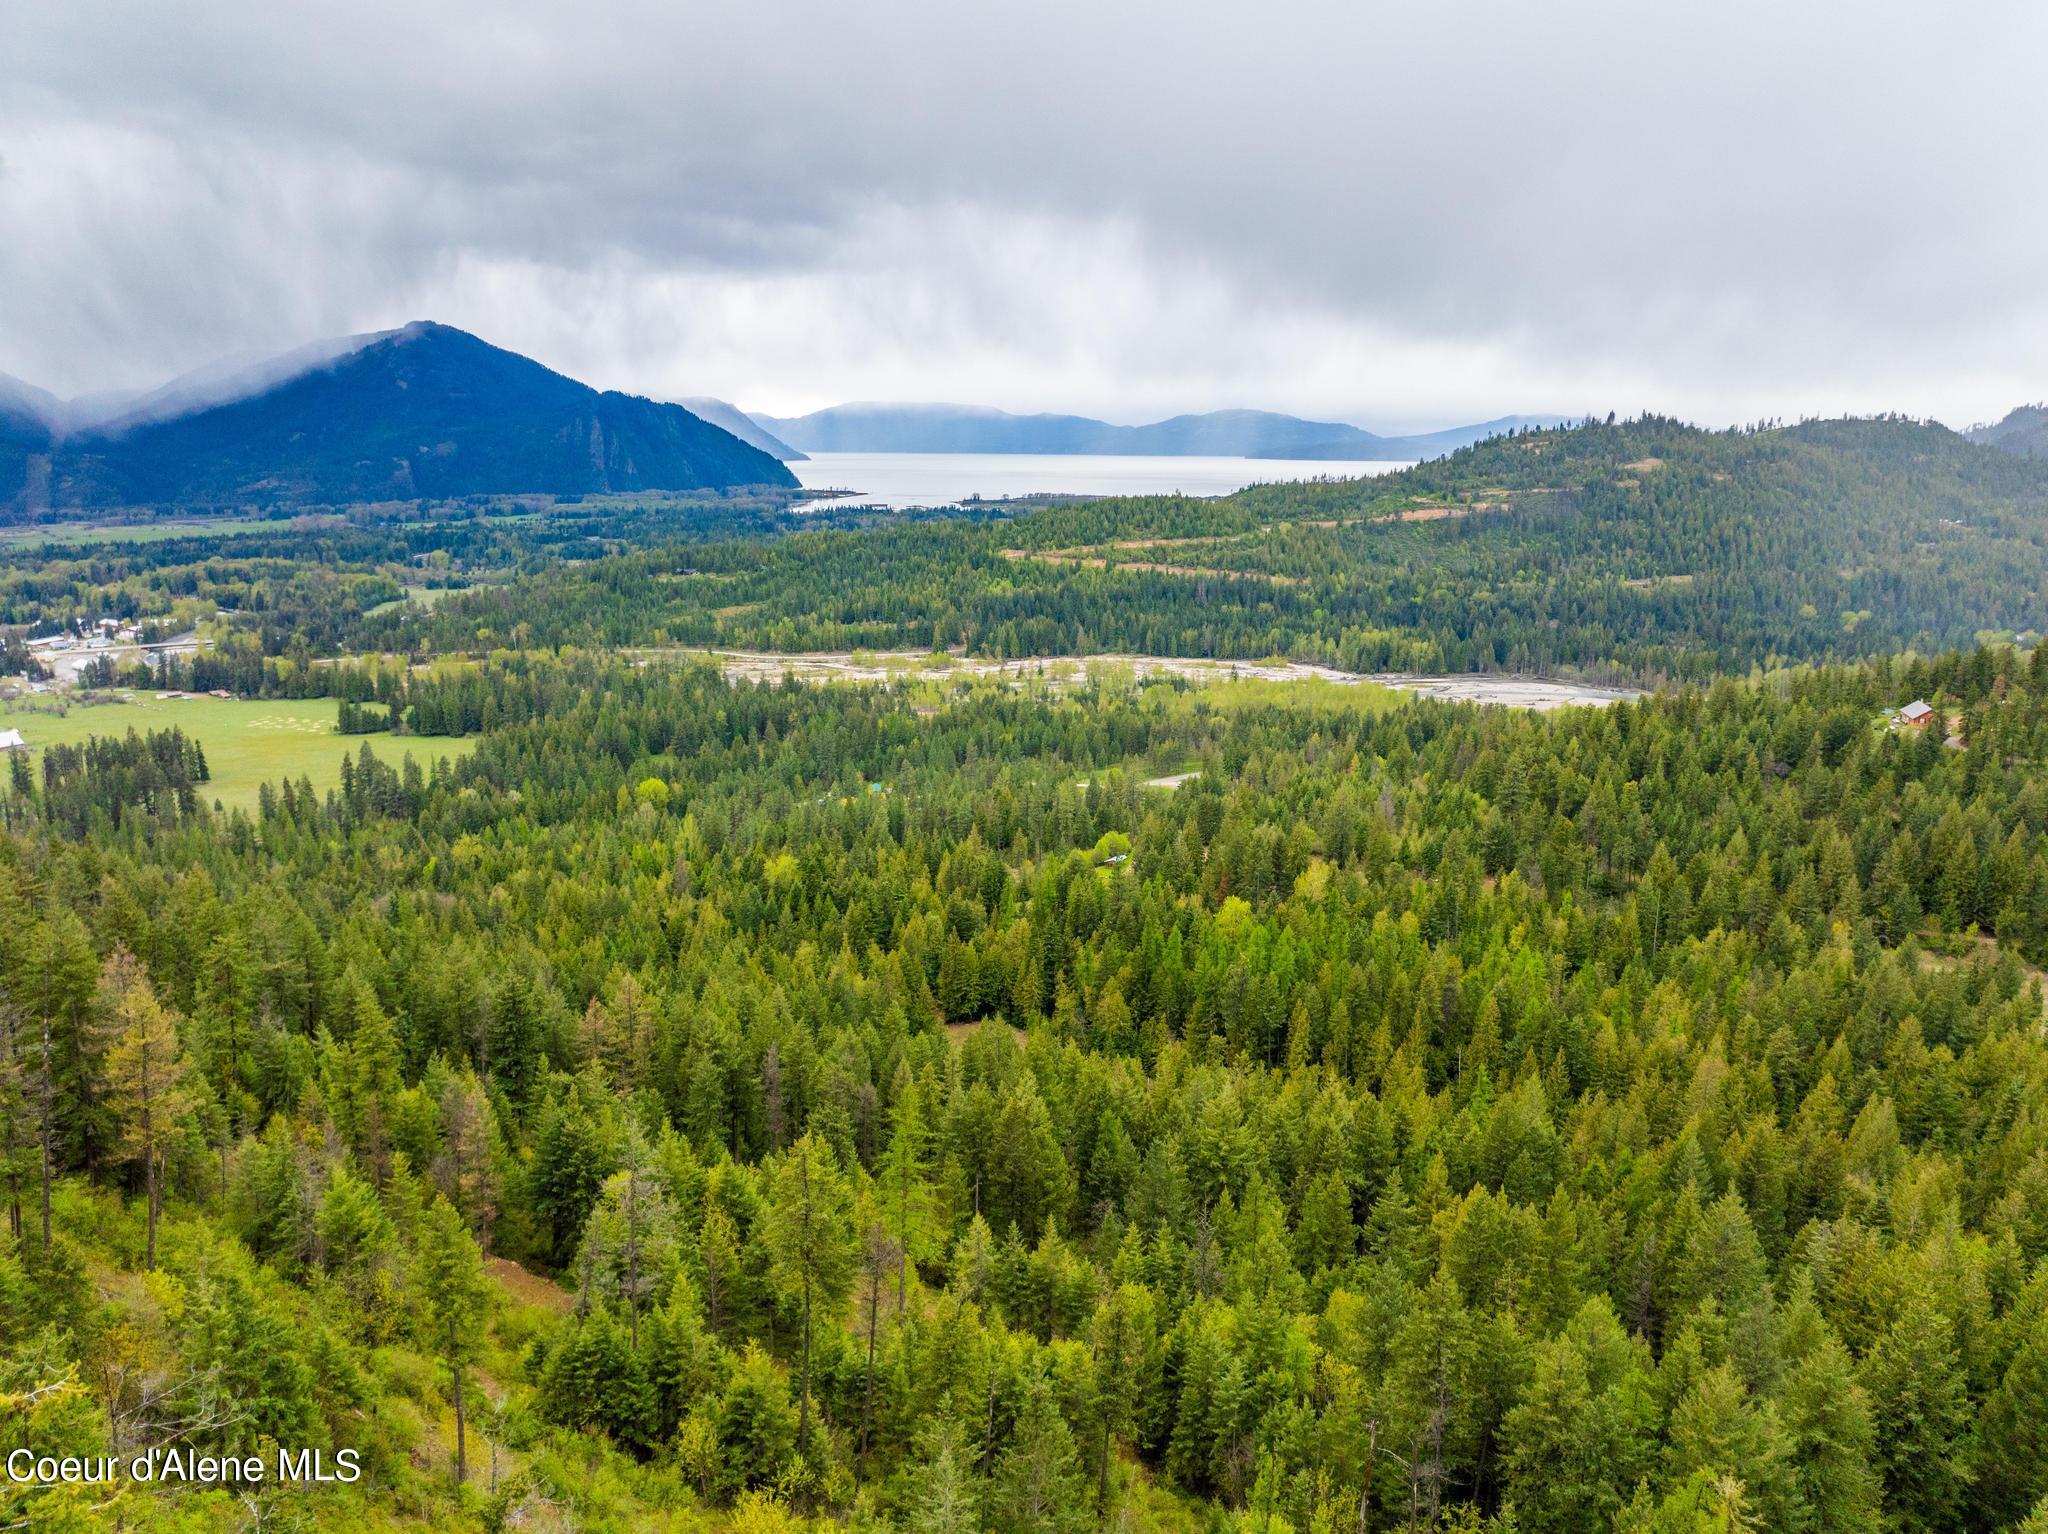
<point x="1431" y="1396"/>
<point x="452" y="1296"/>
<point x="2014" y="1430"/>
<point x="903" y="1178"/>
<point x="685" y="1363"/>
<point x="226" y="1003"/>
<point x="1038" y="1486"/>
<point x="755" y="1430"/>
<point x="1919" y="1406"/>
<point x="1324" y="1233"/>
<point x="242" y="1363"/>
<point x="1123" y="1334"/>
<point x="147" y="1084"/>
<point x="576" y="1148"/>
<point x="1717" y="1427"/>
<point x="880" y="1259"/>
<point x="632" y="1240"/>
<point x="718" y="1271"/>
<point x="810" y="1241"/>
<point x="1560" y="1465"/>
<point x="364" y="1083"/>
<point x="18" y="1119"/>
<point x="1827" y="1418"/>
<point x="593" y="1379"/>
<point x="944" y="1497"/>
<point x="57" y="992"/>
<point x="466" y="1171"/>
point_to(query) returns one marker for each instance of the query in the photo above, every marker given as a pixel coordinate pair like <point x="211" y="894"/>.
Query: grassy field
<point x="424" y="596"/>
<point x="42" y="534"/>
<point x="247" y="744"/>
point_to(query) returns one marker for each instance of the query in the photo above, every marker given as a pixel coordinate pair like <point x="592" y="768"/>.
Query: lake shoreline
<point x="925" y="481"/>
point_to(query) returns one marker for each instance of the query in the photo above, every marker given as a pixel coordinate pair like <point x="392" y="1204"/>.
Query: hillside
<point x="729" y="417"/>
<point x="778" y="1109"/>
<point x="423" y="412"/>
<point x="715" y="1108"/>
<point x="1642" y="549"/>
<point x="900" y="428"/>
<point x="24" y="436"/>
<point x="2023" y="431"/>
<point x="1423" y="445"/>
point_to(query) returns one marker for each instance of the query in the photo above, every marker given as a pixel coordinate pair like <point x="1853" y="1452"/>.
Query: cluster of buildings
<point x="118" y="640"/>
<point x="90" y="634"/>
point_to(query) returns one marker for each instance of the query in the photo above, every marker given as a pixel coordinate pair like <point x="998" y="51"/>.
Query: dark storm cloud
<point x="1400" y="215"/>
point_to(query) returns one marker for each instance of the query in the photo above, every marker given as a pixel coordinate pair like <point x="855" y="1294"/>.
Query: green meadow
<point x="44" y="534"/>
<point x="423" y="596"/>
<point x="247" y="744"/>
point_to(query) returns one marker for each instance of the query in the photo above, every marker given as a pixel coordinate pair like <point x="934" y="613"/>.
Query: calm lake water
<point x="944" y="479"/>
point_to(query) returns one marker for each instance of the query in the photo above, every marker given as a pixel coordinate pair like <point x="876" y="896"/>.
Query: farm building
<point x="11" y="740"/>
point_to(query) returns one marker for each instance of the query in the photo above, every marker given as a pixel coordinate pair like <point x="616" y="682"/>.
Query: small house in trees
<point x="1916" y="715"/>
<point x="12" y="740"/>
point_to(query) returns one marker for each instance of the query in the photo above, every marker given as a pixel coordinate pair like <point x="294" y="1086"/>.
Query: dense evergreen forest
<point x="716" y="1105"/>
<point x="971" y="1107"/>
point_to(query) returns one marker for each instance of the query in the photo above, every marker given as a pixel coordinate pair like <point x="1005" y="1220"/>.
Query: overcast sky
<point x="1400" y="216"/>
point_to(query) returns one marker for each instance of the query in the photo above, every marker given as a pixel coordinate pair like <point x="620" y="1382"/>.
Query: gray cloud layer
<point x="1397" y="215"/>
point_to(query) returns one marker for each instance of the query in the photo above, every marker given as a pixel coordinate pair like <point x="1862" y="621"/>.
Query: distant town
<point x="92" y="653"/>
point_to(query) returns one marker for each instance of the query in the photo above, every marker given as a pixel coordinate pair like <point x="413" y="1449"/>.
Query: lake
<point x="945" y="479"/>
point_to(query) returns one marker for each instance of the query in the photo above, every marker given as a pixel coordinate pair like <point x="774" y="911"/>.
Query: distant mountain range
<point x="425" y="411"/>
<point x="428" y="411"/>
<point x="729" y="417"/>
<point x="901" y="428"/>
<point x="2023" y="431"/>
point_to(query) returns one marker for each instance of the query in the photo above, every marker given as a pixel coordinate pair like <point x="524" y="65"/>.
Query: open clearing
<point x="908" y="665"/>
<point x="524" y="1287"/>
<point x="247" y="744"/>
<point x="42" y="534"/>
<point x="416" y="596"/>
<point x="1540" y="693"/>
<point x="1532" y="692"/>
<point x="1439" y="512"/>
<point x="1984" y="949"/>
<point x="1101" y="562"/>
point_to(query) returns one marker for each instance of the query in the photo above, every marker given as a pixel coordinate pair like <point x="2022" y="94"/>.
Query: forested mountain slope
<point x="1428" y="1116"/>
<point x="423" y="412"/>
<point x="2023" y="431"/>
<point x="24" y="436"/>
<point x="1647" y="549"/>
<point x="729" y="417"/>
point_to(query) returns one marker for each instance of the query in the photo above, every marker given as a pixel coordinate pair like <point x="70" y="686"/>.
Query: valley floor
<point x="1535" y="692"/>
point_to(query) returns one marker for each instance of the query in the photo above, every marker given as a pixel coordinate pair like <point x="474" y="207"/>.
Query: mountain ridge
<point x="425" y="411"/>
<point x="727" y="416"/>
<point x="2023" y="431"/>
<point x="915" y="427"/>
